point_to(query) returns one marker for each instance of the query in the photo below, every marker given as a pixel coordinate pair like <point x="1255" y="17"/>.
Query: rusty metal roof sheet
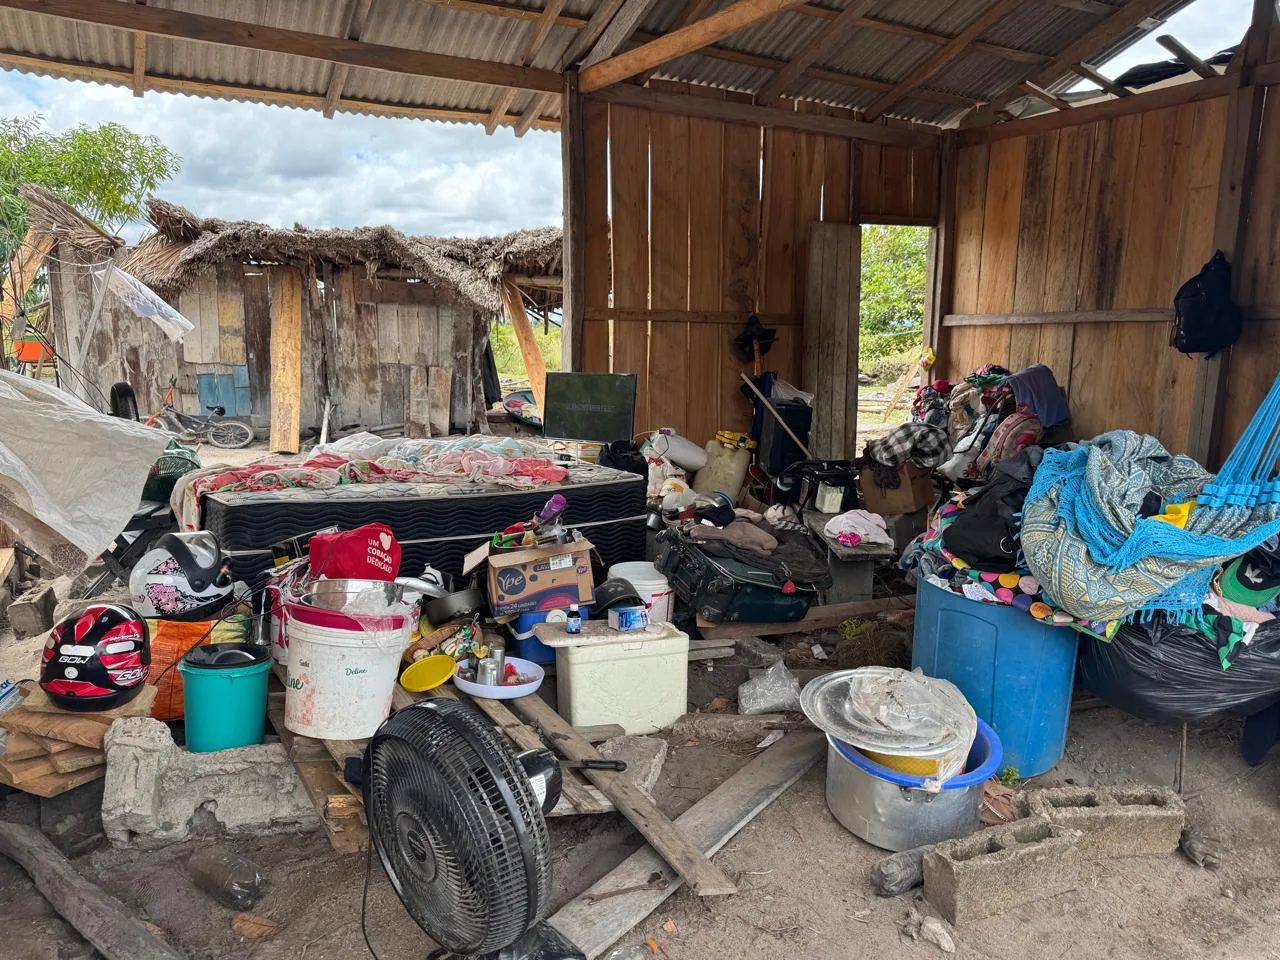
<point x="464" y="28"/>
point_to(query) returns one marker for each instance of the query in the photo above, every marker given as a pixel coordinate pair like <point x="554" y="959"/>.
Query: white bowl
<point x="503" y="692"/>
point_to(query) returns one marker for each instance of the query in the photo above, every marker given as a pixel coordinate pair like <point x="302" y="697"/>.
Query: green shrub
<point x="890" y="368"/>
<point x="506" y="350"/>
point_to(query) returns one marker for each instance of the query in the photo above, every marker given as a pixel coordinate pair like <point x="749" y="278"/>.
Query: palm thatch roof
<point x="185" y="246"/>
<point x="50" y="215"/>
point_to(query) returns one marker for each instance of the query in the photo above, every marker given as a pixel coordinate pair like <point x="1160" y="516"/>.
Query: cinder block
<point x="32" y="613"/>
<point x="644" y="757"/>
<point x="1115" y="821"/>
<point x="1000" y="868"/>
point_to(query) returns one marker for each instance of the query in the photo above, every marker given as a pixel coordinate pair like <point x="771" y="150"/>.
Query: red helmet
<point x="96" y="660"/>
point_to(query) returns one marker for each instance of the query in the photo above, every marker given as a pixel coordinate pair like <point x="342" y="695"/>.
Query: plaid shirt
<point x="925" y="445"/>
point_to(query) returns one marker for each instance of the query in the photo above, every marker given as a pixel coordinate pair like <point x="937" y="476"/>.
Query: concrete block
<point x="1114" y="821"/>
<point x="32" y="612"/>
<point x="999" y="868"/>
<point x="644" y="757"/>
<point x="905" y="527"/>
<point x="754" y="652"/>
<point x="156" y="793"/>
<point x="724" y="726"/>
<point x="70" y="606"/>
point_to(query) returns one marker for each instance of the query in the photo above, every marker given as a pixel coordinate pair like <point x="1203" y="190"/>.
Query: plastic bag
<point x="1166" y="672"/>
<point x="774" y="691"/>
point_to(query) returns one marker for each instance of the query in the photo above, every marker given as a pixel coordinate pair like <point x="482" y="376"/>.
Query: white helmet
<point x="183" y="577"/>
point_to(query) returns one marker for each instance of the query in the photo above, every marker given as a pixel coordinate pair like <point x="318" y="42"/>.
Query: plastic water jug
<point x="725" y="472"/>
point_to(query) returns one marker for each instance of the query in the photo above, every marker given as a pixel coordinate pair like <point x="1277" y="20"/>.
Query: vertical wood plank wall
<point x="358" y="341"/>
<point x="1109" y="215"/>
<point x="695" y="224"/>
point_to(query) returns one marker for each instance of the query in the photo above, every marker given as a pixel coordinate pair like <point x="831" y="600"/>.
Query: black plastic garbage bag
<point x="1166" y="672"/>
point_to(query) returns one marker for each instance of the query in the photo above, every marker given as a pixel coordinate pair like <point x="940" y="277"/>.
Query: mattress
<point x="436" y="523"/>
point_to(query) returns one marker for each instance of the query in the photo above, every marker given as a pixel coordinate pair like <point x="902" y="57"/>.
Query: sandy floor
<point x="803" y="879"/>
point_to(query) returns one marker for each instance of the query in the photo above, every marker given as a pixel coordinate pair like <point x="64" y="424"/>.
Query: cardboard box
<point x="536" y="578"/>
<point x="914" y="491"/>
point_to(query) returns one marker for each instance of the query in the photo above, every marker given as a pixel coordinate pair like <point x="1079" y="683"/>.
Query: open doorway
<point x="895" y="265"/>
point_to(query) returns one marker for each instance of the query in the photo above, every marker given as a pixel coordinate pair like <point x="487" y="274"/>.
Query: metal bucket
<point x="891" y="810"/>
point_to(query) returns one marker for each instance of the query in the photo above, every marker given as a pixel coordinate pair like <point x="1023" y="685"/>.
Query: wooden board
<point x="439" y="400"/>
<point x="78" y="758"/>
<point x="535" y="367"/>
<point x="778" y="230"/>
<point x="831" y="338"/>
<point x="22" y="746"/>
<point x="230" y="301"/>
<point x="140" y="706"/>
<point x="629" y="178"/>
<point x="709" y="824"/>
<point x="286" y="359"/>
<point x="703" y="877"/>
<point x="1067" y="215"/>
<point x="54" y="784"/>
<point x="256" y="296"/>
<point x="18" y="772"/>
<point x="971" y="198"/>
<point x="818" y="618"/>
<point x="68" y="728"/>
<point x="416" y="404"/>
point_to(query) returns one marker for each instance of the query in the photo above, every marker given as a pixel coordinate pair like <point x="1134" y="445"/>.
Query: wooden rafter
<point x="678" y="43"/>
<point x="822" y="43"/>
<point x="1185" y="56"/>
<point x="1052" y="99"/>
<point x="992" y="15"/>
<point x="139" y="63"/>
<point x="533" y="46"/>
<point x="357" y="15"/>
<point x="618" y="31"/>
<point x="1106" y="84"/>
<point x="117" y="76"/>
<point x="1104" y="32"/>
<point x="193" y="26"/>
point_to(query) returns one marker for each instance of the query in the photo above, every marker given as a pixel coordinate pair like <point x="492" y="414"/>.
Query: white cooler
<point x="639" y="680"/>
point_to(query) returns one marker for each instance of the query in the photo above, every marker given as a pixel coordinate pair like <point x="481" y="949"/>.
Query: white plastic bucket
<point x="341" y="673"/>
<point x="651" y="585"/>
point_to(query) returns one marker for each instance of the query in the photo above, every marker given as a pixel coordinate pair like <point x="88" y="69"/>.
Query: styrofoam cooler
<point x="639" y="680"/>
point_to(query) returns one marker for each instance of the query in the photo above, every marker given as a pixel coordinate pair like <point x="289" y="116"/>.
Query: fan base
<point x="541" y="942"/>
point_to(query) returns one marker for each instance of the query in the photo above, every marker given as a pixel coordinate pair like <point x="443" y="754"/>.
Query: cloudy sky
<point x="284" y="166"/>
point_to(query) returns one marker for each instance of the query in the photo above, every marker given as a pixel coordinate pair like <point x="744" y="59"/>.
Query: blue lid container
<point x="529" y="647"/>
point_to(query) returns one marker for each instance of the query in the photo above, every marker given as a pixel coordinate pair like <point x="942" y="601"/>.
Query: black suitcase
<point x="726" y="590"/>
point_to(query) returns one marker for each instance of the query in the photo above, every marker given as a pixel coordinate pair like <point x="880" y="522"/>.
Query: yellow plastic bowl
<point x="913" y="766"/>
<point x="427" y="674"/>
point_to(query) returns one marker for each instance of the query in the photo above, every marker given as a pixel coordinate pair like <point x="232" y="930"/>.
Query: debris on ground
<point x="930" y="929"/>
<point x="899" y="872"/>
<point x="1199" y="849"/>
<point x="236" y="883"/>
<point x="774" y="691"/>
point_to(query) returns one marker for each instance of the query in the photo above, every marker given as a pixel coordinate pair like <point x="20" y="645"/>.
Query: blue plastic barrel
<point x="1016" y="672"/>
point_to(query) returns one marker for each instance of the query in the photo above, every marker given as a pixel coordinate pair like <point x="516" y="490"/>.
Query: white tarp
<point x="70" y="477"/>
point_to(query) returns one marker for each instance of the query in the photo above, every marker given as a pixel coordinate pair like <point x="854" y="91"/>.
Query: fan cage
<point x="457" y="827"/>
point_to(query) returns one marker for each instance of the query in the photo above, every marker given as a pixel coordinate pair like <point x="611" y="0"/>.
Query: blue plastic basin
<point x="1016" y="672"/>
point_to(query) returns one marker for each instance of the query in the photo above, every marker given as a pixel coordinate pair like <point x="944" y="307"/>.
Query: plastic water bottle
<point x="234" y="882"/>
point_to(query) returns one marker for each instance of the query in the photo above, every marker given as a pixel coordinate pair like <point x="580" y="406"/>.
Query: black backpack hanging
<point x="1204" y="318"/>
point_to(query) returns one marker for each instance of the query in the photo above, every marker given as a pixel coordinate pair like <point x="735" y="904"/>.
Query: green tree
<point x="894" y="263"/>
<point x="106" y="171"/>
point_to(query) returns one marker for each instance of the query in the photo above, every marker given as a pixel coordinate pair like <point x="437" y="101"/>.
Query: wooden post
<point x="1235" y="186"/>
<point x="573" y="158"/>
<point x="942" y="251"/>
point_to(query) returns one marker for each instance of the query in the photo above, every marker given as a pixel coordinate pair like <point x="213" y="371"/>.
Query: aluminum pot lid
<point x="891" y="711"/>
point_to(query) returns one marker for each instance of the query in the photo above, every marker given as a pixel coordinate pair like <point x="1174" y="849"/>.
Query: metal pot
<point x="893" y="810"/>
<point x="454" y="606"/>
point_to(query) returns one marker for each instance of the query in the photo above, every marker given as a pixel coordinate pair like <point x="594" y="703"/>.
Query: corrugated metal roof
<point x="465" y="28"/>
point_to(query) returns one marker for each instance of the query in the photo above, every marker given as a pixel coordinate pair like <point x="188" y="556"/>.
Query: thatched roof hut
<point x="185" y="247"/>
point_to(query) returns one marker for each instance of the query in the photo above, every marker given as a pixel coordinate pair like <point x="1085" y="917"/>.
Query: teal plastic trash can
<point x="1016" y="672"/>
<point x="224" y="695"/>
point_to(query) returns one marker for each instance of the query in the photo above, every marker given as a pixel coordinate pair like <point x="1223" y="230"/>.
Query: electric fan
<point x="456" y="817"/>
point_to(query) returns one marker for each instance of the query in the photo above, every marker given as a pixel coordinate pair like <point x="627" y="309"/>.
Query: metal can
<point x="629" y="618"/>
<point x="487" y="672"/>
<point x="498" y="652"/>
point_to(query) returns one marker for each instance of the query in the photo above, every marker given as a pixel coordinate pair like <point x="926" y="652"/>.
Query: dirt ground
<point x="802" y="877"/>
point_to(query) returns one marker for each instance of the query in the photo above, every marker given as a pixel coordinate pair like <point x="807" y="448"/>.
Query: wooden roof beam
<point x="693" y="10"/>
<point x="232" y="33"/>
<point x="619" y="30"/>
<point x="533" y="46"/>
<point x="1104" y="32"/>
<point x="684" y="41"/>
<point x="992" y="15"/>
<point x="1052" y="99"/>
<point x="139" y="60"/>
<point x="356" y="17"/>
<point x="1108" y="85"/>
<point x="1185" y="56"/>
<point x="826" y="40"/>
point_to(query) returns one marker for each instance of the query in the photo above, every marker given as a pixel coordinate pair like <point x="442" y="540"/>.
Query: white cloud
<point x="281" y="166"/>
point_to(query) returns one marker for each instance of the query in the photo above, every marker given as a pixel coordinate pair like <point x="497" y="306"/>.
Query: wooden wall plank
<point x="595" y="351"/>
<point x="669" y="265"/>
<point x="778" y="234"/>
<point x="971" y="198"/>
<point x="810" y="171"/>
<point x="286" y="358"/>
<point x="395" y="391"/>
<point x="388" y="332"/>
<point x="1199" y="207"/>
<point x="230" y="299"/>
<point x="830" y="354"/>
<point x="256" y="293"/>
<point x="1111" y="185"/>
<point x="837" y="176"/>
<point x="1001" y="221"/>
<point x="1139" y="282"/>
<point x="707" y="212"/>
<point x="740" y="239"/>
<point x="1067" y="217"/>
<point x="1033" y="244"/>
<point x="629" y="186"/>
